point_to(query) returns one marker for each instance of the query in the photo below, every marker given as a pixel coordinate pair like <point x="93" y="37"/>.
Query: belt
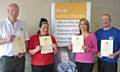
<point x="11" y="56"/>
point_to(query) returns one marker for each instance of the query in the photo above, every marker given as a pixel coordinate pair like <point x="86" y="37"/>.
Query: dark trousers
<point x="84" y="67"/>
<point x="11" y="64"/>
<point x="46" y="68"/>
<point x="21" y="64"/>
<point x="107" y="66"/>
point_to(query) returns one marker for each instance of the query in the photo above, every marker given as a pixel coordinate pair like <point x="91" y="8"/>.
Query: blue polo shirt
<point x="111" y="34"/>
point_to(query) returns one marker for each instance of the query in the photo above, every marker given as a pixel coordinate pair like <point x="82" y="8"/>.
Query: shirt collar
<point x="8" y="21"/>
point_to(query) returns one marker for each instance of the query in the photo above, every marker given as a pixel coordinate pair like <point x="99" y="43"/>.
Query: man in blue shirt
<point x="108" y="32"/>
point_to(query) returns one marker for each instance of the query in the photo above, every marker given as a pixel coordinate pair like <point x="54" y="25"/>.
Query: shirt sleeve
<point x="33" y="42"/>
<point x="93" y="43"/>
<point x="118" y="38"/>
<point x="98" y="41"/>
<point x="30" y="43"/>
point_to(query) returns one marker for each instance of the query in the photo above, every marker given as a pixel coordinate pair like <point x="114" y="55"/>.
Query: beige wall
<point x="30" y="11"/>
<point x="100" y="7"/>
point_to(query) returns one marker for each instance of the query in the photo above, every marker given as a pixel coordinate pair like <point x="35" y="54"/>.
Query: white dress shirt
<point x="6" y="30"/>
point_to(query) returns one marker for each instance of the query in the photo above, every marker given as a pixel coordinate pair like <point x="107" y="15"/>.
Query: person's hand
<point x="37" y="48"/>
<point x="20" y="55"/>
<point x="99" y="55"/>
<point x="112" y="56"/>
<point x="54" y="46"/>
<point x="12" y="37"/>
<point x="84" y="47"/>
<point x="70" y="46"/>
<point x="9" y="39"/>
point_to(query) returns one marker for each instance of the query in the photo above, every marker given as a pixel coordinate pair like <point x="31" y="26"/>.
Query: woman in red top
<point x="42" y="62"/>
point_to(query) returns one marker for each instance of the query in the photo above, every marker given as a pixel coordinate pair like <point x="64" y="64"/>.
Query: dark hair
<point x="42" y="21"/>
<point x="86" y="23"/>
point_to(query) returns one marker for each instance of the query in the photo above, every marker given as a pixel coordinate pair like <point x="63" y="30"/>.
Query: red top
<point x="38" y="58"/>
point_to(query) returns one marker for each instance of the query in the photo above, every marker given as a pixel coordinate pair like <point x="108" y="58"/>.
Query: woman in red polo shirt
<point x="42" y="62"/>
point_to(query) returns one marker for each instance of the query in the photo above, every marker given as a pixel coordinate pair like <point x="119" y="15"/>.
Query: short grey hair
<point x="14" y="4"/>
<point x="106" y="14"/>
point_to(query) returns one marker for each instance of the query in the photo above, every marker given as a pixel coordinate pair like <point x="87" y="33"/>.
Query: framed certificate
<point x="19" y="44"/>
<point x="106" y="47"/>
<point x="46" y="44"/>
<point x="78" y="42"/>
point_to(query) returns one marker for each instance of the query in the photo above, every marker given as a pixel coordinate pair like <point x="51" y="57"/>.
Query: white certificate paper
<point x="106" y="47"/>
<point x="46" y="44"/>
<point x="19" y="44"/>
<point x="77" y="43"/>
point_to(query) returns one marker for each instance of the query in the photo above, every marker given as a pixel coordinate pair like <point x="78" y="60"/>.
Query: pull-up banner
<point x="70" y="11"/>
<point x="65" y="18"/>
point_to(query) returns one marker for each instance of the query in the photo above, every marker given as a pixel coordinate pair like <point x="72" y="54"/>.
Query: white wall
<point x="30" y="11"/>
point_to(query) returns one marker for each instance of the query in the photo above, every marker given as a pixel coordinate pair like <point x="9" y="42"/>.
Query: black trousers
<point x="12" y="64"/>
<point x="107" y="66"/>
<point x="21" y="64"/>
<point x="84" y="67"/>
<point x="46" y="68"/>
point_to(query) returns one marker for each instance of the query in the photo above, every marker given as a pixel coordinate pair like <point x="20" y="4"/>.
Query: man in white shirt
<point x="10" y="60"/>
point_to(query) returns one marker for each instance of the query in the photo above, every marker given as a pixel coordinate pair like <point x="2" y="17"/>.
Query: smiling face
<point x="83" y="26"/>
<point x="106" y="21"/>
<point x="13" y="11"/>
<point x="44" y="29"/>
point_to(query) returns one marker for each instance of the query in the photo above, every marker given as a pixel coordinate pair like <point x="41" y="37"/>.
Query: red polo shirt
<point x="38" y="58"/>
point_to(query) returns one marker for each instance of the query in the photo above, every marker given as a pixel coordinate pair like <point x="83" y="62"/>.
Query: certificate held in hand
<point x="78" y="42"/>
<point x="46" y="44"/>
<point x="106" y="47"/>
<point x="19" y="44"/>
